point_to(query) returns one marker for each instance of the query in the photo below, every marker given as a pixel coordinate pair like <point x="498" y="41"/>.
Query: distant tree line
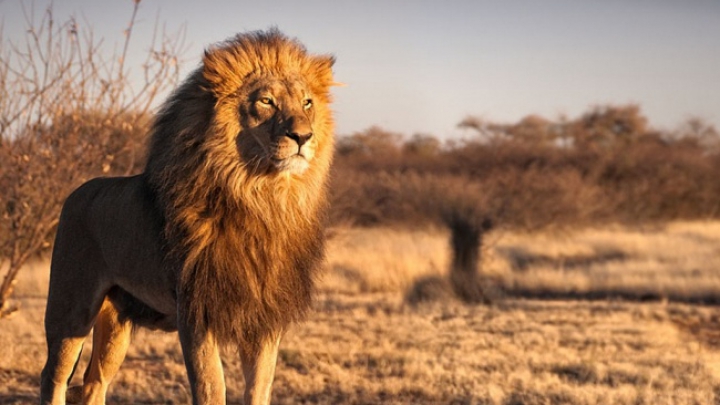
<point x="607" y="165"/>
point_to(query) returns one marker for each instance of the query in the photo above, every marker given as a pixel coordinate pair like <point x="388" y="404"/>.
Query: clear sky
<point x="422" y="66"/>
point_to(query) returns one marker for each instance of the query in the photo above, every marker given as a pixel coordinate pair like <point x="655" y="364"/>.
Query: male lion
<point x="218" y="239"/>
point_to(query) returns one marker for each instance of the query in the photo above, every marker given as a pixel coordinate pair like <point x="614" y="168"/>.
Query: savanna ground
<point x="599" y="316"/>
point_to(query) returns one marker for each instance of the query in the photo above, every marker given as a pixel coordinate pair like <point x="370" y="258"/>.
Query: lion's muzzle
<point x="300" y="139"/>
<point x="296" y="147"/>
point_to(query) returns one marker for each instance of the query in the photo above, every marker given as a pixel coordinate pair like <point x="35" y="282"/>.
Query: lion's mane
<point x="246" y="241"/>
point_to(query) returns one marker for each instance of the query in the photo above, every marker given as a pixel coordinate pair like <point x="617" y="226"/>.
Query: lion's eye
<point x="266" y="101"/>
<point x="307" y="103"/>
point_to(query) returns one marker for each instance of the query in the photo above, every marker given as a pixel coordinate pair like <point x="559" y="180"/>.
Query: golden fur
<point x="220" y="237"/>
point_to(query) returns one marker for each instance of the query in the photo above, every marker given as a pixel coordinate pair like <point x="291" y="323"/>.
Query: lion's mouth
<point x="294" y="164"/>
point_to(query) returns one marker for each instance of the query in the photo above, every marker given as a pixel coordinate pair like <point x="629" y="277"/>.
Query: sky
<point x="422" y="66"/>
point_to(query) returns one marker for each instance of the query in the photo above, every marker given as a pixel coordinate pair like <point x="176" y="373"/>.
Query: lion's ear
<point x="326" y="61"/>
<point x="321" y="71"/>
<point x="221" y="71"/>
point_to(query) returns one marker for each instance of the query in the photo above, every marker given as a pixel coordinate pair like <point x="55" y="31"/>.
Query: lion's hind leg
<point x="111" y="337"/>
<point x="66" y="329"/>
<point x="62" y="358"/>
<point x="75" y="296"/>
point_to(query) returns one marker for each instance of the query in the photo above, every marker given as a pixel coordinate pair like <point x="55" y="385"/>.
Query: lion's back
<point x="103" y="203"/>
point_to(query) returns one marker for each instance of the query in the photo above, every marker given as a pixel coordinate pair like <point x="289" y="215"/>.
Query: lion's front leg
<point x="259" y="368"/>
<point x="202" y="360"/>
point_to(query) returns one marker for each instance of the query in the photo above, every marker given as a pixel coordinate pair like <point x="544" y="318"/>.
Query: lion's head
<point x="271" y="100"/>
<point x="256" y="110"/>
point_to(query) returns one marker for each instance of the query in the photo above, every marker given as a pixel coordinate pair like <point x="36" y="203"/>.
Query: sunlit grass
<point x="364" y="344"/>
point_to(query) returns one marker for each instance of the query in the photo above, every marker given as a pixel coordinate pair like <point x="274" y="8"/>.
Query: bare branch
<point x="68" y="112"/>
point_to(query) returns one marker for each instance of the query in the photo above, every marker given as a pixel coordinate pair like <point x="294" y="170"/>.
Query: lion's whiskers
<point x="261" y="144"/>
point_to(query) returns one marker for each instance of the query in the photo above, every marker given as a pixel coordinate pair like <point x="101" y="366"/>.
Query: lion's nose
<point x="301" y="139"/>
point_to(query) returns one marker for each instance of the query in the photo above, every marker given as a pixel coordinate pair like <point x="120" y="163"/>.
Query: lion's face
<point x="277" y="117"/>
<point x="271" y="102"/>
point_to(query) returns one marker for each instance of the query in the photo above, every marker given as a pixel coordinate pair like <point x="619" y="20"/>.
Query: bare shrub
<point x="68" y="112"/>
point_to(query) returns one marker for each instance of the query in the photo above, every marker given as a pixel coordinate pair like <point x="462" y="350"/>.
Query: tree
<point x="487" y="131"/>
<point x="702" y="133"/>
<point x="422" y="145"/>
<point x="605" y="127"/>
<point x="67" y="113"/>
<point x="373" y="141"/>
<point x="532" y="130"/>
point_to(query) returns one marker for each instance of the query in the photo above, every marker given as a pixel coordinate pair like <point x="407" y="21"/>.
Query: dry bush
<point x="657" y="181"/>
<point x="68" y="112"/>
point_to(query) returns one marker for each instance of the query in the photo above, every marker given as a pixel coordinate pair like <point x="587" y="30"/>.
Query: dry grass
<point x="365" y="345"/>
<point x="382" y="260"/>
<point x="679" y="262"/>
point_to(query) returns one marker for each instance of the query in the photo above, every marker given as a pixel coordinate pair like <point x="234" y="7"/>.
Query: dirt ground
<point x="364" y="344"/>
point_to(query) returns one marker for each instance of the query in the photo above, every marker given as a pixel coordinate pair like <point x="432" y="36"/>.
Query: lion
<point x="220" y="237"/>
